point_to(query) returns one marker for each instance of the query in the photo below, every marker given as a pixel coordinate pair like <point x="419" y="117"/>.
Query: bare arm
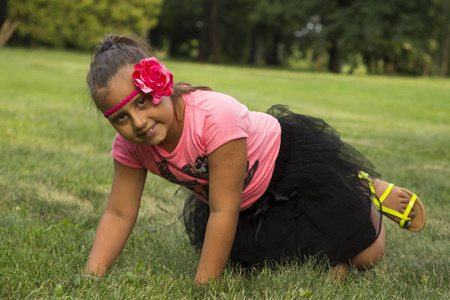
<point x="227" y="167"/>
<point x="118" y="219"/>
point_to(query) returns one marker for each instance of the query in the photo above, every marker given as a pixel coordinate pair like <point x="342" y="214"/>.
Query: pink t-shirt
<point x="211" y="119"/>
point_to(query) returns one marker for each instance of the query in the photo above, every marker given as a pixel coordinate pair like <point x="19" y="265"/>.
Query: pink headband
<point x="151" y="77"/>
<point x="121" y="104"/>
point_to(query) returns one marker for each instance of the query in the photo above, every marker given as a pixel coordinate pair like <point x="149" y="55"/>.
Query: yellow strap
<point x="364" y="175"/>
<point x="386" y="192"/>
<point x="408" y="210"/>
<point x="377" y="201"/>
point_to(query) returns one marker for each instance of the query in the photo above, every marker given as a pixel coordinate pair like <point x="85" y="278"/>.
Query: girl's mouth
<point x="151" y="131"/>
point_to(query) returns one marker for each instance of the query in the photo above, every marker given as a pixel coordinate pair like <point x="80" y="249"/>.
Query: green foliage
<point x="406" y="37"/>
<point x="402" y="36"/>
<point x="56" y="173"/>
<point x="392" y="37"/>
<point x="178" y="26"/>
<point x="80" y="24"/>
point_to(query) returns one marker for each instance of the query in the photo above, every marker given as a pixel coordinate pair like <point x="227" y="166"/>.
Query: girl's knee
<point x="369" y="257"/>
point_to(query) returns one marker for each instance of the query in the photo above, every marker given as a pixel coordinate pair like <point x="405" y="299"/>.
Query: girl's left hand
<point x="227" y="168"/>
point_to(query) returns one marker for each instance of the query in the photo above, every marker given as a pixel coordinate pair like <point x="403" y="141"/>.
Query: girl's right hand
<point x="118" y="219"/>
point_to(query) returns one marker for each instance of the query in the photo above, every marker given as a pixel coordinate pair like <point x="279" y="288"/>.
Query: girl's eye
<point x="120" y="117"/>
<point x="142" y="101"/>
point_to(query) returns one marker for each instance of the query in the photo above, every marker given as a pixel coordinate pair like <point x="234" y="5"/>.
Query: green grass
<point x="56" y="170"/>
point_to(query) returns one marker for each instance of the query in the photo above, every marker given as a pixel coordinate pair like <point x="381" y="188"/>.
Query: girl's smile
<point x="140" y="120"/>
<point x="151" y="131"/>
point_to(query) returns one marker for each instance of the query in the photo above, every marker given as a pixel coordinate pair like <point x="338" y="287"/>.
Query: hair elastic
<point x="121" y="104"/>
<point x="108" y="45"/>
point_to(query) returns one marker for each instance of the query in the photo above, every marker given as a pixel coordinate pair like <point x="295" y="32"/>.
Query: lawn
<point x="56" y="172"/>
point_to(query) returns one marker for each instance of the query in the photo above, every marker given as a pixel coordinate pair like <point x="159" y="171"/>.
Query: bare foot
<point x="397" y="200"/>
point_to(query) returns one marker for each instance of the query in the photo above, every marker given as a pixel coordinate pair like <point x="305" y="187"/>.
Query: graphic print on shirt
<point x="250" y="173"/>
<point x="200" y="170"/>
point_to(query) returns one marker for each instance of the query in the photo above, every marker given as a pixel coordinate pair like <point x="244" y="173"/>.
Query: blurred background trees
<point x="75" y="24"/>
<point x="390" y="37"/>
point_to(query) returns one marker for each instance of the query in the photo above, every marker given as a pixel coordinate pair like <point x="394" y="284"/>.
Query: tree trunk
<point x="258" y="56"/>
<point x="389" y="67"/>
<point x="214" y="38"/>
<point x="335" y="58"/>
<point x="275" y="56"/>
<point x="446" y="57"/>
<point x="442" y="58"/>
<point x="319" y="58"/>
<point x="7" y="30"/>
<point x="209" y="42"/>
<point x="204" y="43"/>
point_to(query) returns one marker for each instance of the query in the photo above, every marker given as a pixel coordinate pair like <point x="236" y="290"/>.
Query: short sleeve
<point x="125" y="152"/>
<point x="226" y="120"/>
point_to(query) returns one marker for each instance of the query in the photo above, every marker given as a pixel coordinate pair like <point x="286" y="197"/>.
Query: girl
<point x="265" y="187"/>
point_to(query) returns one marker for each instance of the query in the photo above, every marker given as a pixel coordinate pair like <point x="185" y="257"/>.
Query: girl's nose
<point x="139" y="122"/>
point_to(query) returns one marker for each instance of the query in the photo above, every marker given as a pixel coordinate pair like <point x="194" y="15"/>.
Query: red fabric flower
<point x="152" y="77"/>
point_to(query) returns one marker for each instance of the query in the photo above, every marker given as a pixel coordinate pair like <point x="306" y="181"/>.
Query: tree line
<point x="75" y="24"/>
<point x="387" y="37"/>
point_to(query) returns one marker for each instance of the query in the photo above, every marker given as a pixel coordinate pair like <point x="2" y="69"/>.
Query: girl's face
<point x="140" y="121"/>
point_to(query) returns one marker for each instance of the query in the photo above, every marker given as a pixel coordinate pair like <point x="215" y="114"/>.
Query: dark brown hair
<point x="116" y="52"/>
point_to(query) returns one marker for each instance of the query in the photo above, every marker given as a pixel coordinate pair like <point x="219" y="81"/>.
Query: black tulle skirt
<point x="315" y="207"/>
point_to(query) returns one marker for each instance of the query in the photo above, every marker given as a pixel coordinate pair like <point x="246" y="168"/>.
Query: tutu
<point x="315" y="206"/>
